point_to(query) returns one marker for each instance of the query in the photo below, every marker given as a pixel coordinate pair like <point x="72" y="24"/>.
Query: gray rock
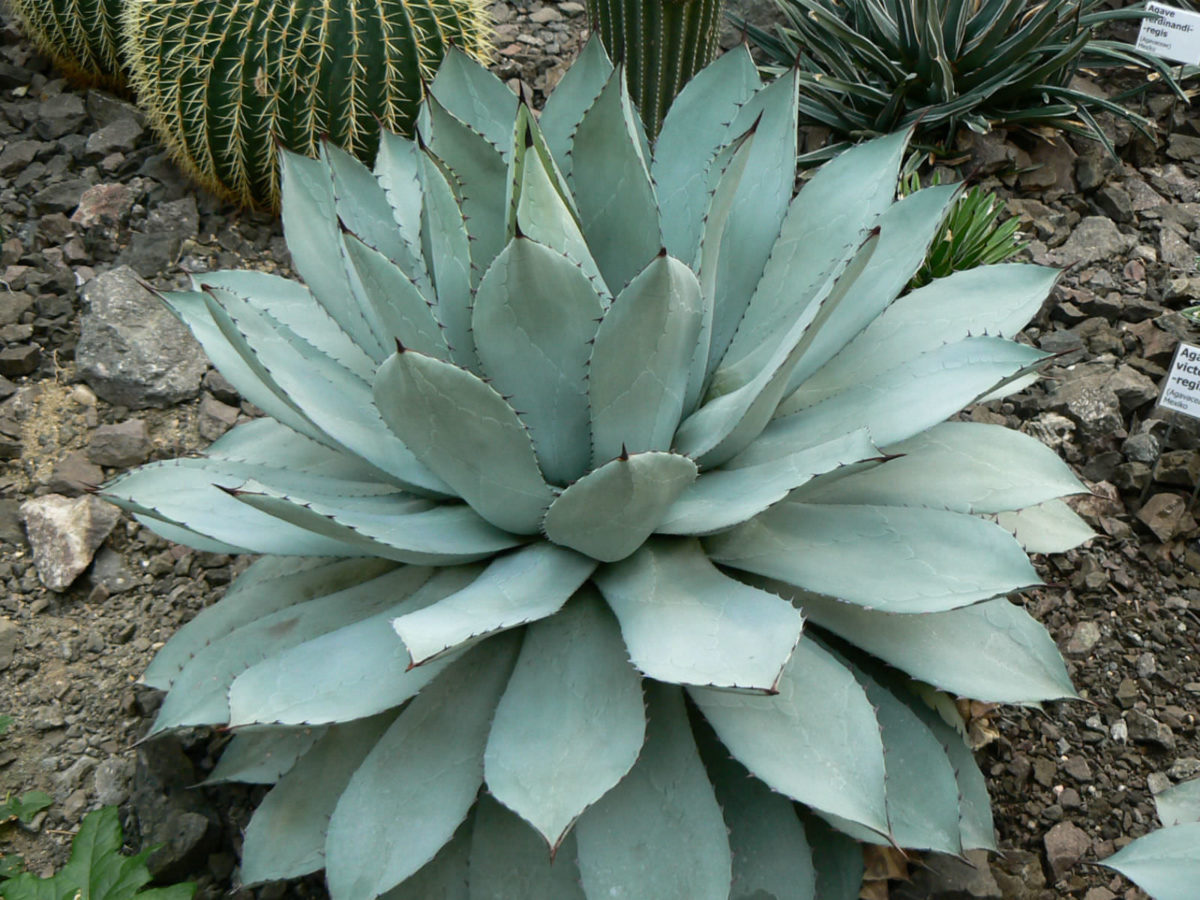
<point x="61" y="197"/>
<point x="10" y="635"/>
<point x="1132" y="388"/>
<point x="1089" y="401"/>
<point x="1065" y="844"/>
<point x="179" y="217"/>
<point x="1184" y="147"/>
<point x="121" y="445"/>
<point x="1174" y="251"/>
<point x="1019" y="874"/>
<point x="121" y="136"/>
<point x="13" y="305"/>
<point x="215" y="418"/>
<point x="1180" y="467"/>
<point x="1184" y="768"/>
<point x="111" y="781"/>
<point x="1146" y="730"/>
<point x="20" y="360"/>
<point x="110" y="571"/>
<point x="104" y="109"/>
<point x="1094" y="239"/>
<point x="1115" y="202"/>
<point x="1084" y="639"/>
<point x="103" y="204"/>
<point x="16" y="155"/>
<point x="1142" y="448"/>
<point x="168" y="812"/>
<point x="64" y="532"/>
<point x="1166" y="515"/>
<point x="74" y="474"/>
<point x="131" y="350"/>
<point x="59" y="115"/>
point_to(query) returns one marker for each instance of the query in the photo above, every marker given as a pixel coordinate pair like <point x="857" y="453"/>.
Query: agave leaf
<point x="398" y="305"/>
<point x="922" y="793"/>
<point x="362" y="206"/>
<point x="392" y="526"/>
<point x="444" y="877"/>
<point x="997" y="300"/>
<point x="975" y="824"/>
<point x="659" y="832"/>
<point x="771" y="857"/>
<point x="820" y="715"/>
<point x="199" y="693"/>
<point x="187" y="492"/>
<point x="762" y="199"/>
<point x="964" y="467"/>
<point x="1163" y="863"/>
<point x="465" y="432"/>
<point x="269" y="585"/>
<point x="685" y="622"/>
<point x="721" y="498"/>
<point x="695" y="126"/>
<point x="292" y="305"/>
<point x="534" y="317"/>
<point x="609" y="512"/>
<point x="836" y="208"/>
<point x="286" y="834"/>
<point x="262" y="757"/>
<point x="520" y="587"/>
<point x="509" y="860"/>
<point x="245" y="373"/>
<point x="311" y="230"/>
<point x="903" y="401"/>
<point x="838" y="860"/>
<point x="355" y="671"/>
<point x="640" y="361"/>
<point x="419" y="781"/>
<point x="572" y="97"/>
<point x="331" y="396"/>
<point x="265" y="442"/>
<point x="398" y="171"/>
<point x="992" y="651"/>
<point x="478" y="166"/>
<point x="1050" y="527"/>
<point x="617" y="206"/>
<point x="544" y="210"/>
<point x="922" y="560"/>
<point x="570" y="724"/>
<point x="906" y="230"/>
<point x="473" y="94"/>
<point x="1179" y="805"/>
<point x="726" y="425"/>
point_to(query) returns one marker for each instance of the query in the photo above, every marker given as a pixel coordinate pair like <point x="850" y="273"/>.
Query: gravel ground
<point x="96" y="377"/>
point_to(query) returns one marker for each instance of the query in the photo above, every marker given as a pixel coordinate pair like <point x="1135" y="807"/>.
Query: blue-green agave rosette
<point x="597" y="483"/>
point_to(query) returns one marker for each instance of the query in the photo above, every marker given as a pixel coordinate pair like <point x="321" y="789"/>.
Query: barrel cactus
<point x="600" y="477"/>
<point x="226" y="83"/>
<point x="81" y="37"/>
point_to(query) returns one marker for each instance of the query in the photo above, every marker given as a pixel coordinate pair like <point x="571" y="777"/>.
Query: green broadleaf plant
<point x="575" y="482"/>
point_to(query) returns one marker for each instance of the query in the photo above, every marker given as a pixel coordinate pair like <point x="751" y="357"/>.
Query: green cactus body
<point x="81" y="37"/>
<point x="226" y="83"/>
<point x="662" y="43"/>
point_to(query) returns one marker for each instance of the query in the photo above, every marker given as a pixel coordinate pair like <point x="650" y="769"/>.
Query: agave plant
<point x="1166" y="863"/>
<point x="873" y="66"/>
<point x="601" y="475"/>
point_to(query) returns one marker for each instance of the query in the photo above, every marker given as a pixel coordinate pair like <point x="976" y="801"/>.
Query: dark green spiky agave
<point x="81" y="37"/>
<point x="873" y="66"/>
<point x="661" y="458"/>
<point x="225" y="83"/>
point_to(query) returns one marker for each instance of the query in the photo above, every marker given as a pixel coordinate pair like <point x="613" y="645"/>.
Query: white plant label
<point x="1171" y="33"/>
<point x="1181" y="391"/>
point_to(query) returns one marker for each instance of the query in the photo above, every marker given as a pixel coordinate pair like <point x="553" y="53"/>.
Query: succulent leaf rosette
<point x="615" y="542"/>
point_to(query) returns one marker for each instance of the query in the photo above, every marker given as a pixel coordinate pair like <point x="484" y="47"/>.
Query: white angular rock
<point x="64" y="532"/>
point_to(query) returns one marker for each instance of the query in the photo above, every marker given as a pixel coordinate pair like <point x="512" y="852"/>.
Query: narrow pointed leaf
<point x="694" y="128"/>
<point x="355" y="671"/>
<point x="571" y="98"/>
<point x="286" y="834"/>
<point x="721" y="498"/>
<point x="398" y="171"/>
<point x="419" y="781"/>
<point x="571" y="722"/>
<point x="464" y="432"/>
<point x="685" y="622"/>
<point x="444" y="877"/>
<point x="922" y="560"/>
<point x="509" y="860"/>
<point x="448" y="249"/>
<point x="617" y="206"/>
<point x="1050" y="527"/>
<point x="1163" y="863"/>
<point x="269" y="585"/>
<point x="992" y="651"/>
<point x="523" y="586"/>
<point x="534" y="317"/>
<point x="262" y="757"/>
<point x="659" y="833"/>
<point x="1180" y="804"/>
<point x="473" y="94"/>
<point x="609" y="512"/>
<point x="820" y="715"/>
<point x="638" y="372"/>
<point x="265" y="442"/>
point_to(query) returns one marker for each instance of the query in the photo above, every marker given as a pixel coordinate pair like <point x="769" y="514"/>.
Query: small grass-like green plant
<point x="96" y="869"/>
